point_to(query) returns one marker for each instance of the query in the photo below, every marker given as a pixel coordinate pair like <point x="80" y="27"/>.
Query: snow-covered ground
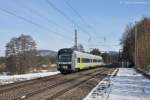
<point x="126" y="85"/>
<point x="6" y="79"/>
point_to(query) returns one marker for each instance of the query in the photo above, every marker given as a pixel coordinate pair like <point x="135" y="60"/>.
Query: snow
<point x="126" y="85"/>
<point x="6" y="79"/>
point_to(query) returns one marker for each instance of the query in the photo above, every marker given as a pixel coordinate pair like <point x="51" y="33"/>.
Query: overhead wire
<point x="77" y="13"/>
<point x="80" y="16"/>
<point x="42" y="16"/>
<point x="67" y="17"/>
<point x="31" y="22"/>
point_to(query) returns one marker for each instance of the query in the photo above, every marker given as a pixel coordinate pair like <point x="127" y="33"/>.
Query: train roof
<point x="65" y="50"/>
<point x="78" y="52"/>
<point x="87" y="55"/>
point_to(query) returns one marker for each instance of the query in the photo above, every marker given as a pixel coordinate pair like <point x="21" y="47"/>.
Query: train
<point x="70" y="60"/>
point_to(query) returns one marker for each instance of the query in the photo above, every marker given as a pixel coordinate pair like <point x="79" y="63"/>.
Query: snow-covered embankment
<point x="126" y="85"/>
<point x="6" y="79"/>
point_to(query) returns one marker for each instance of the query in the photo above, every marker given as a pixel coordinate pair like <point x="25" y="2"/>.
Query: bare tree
<point x="95" y="52"/>
<point x="128" y="43"/>
<point x="142" y="49"/>
<point x="20" y="54"/>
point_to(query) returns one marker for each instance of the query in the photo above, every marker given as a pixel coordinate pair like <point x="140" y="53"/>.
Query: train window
<point x="91" y="60"/>
<point x="86" y="60"/>
<point x="78" y="60"/>
<point x="94" y="60"/>
<point x="64" y="58"/>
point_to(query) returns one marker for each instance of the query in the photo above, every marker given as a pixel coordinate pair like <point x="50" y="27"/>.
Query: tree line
<point x="136" y="44"/>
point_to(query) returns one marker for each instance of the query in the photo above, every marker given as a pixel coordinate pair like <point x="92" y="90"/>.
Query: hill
<point x="47" y="53"/>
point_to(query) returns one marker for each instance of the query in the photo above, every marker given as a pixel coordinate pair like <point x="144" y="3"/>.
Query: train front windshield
<point x="65" y="55"/>
<point x="64" y="58"/>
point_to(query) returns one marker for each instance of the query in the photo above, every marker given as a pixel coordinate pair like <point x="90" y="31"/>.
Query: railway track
<point x="51" y="92"/>
<point x="62" y="80"/>
<point x="83" y="80"/>
<point x="37" y="89"/>
<point x="15" y="85"/>
<point x="11" y="91"/>
<point x="81" y="91"/>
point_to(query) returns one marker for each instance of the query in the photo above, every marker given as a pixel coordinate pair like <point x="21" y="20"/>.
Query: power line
<point x="20" y="17"/>
<point x="41" y="15"/>
<point x="79" y="15"/>
<point x="31" y="22"/>
<point x="58" y="10"/>
<point x="115" y="45"/>
<point x="75" y="11"/>
<point x="67" y="17"/>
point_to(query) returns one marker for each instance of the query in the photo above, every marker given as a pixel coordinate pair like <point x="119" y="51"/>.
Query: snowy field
<point x="126" y="85"/>
<point x="6" y="79"/>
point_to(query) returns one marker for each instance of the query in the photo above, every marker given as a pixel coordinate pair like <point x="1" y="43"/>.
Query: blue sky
<point x="107" y="18"/>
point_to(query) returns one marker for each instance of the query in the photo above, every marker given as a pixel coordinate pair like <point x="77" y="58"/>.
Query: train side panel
<point x="84" y="60"/>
